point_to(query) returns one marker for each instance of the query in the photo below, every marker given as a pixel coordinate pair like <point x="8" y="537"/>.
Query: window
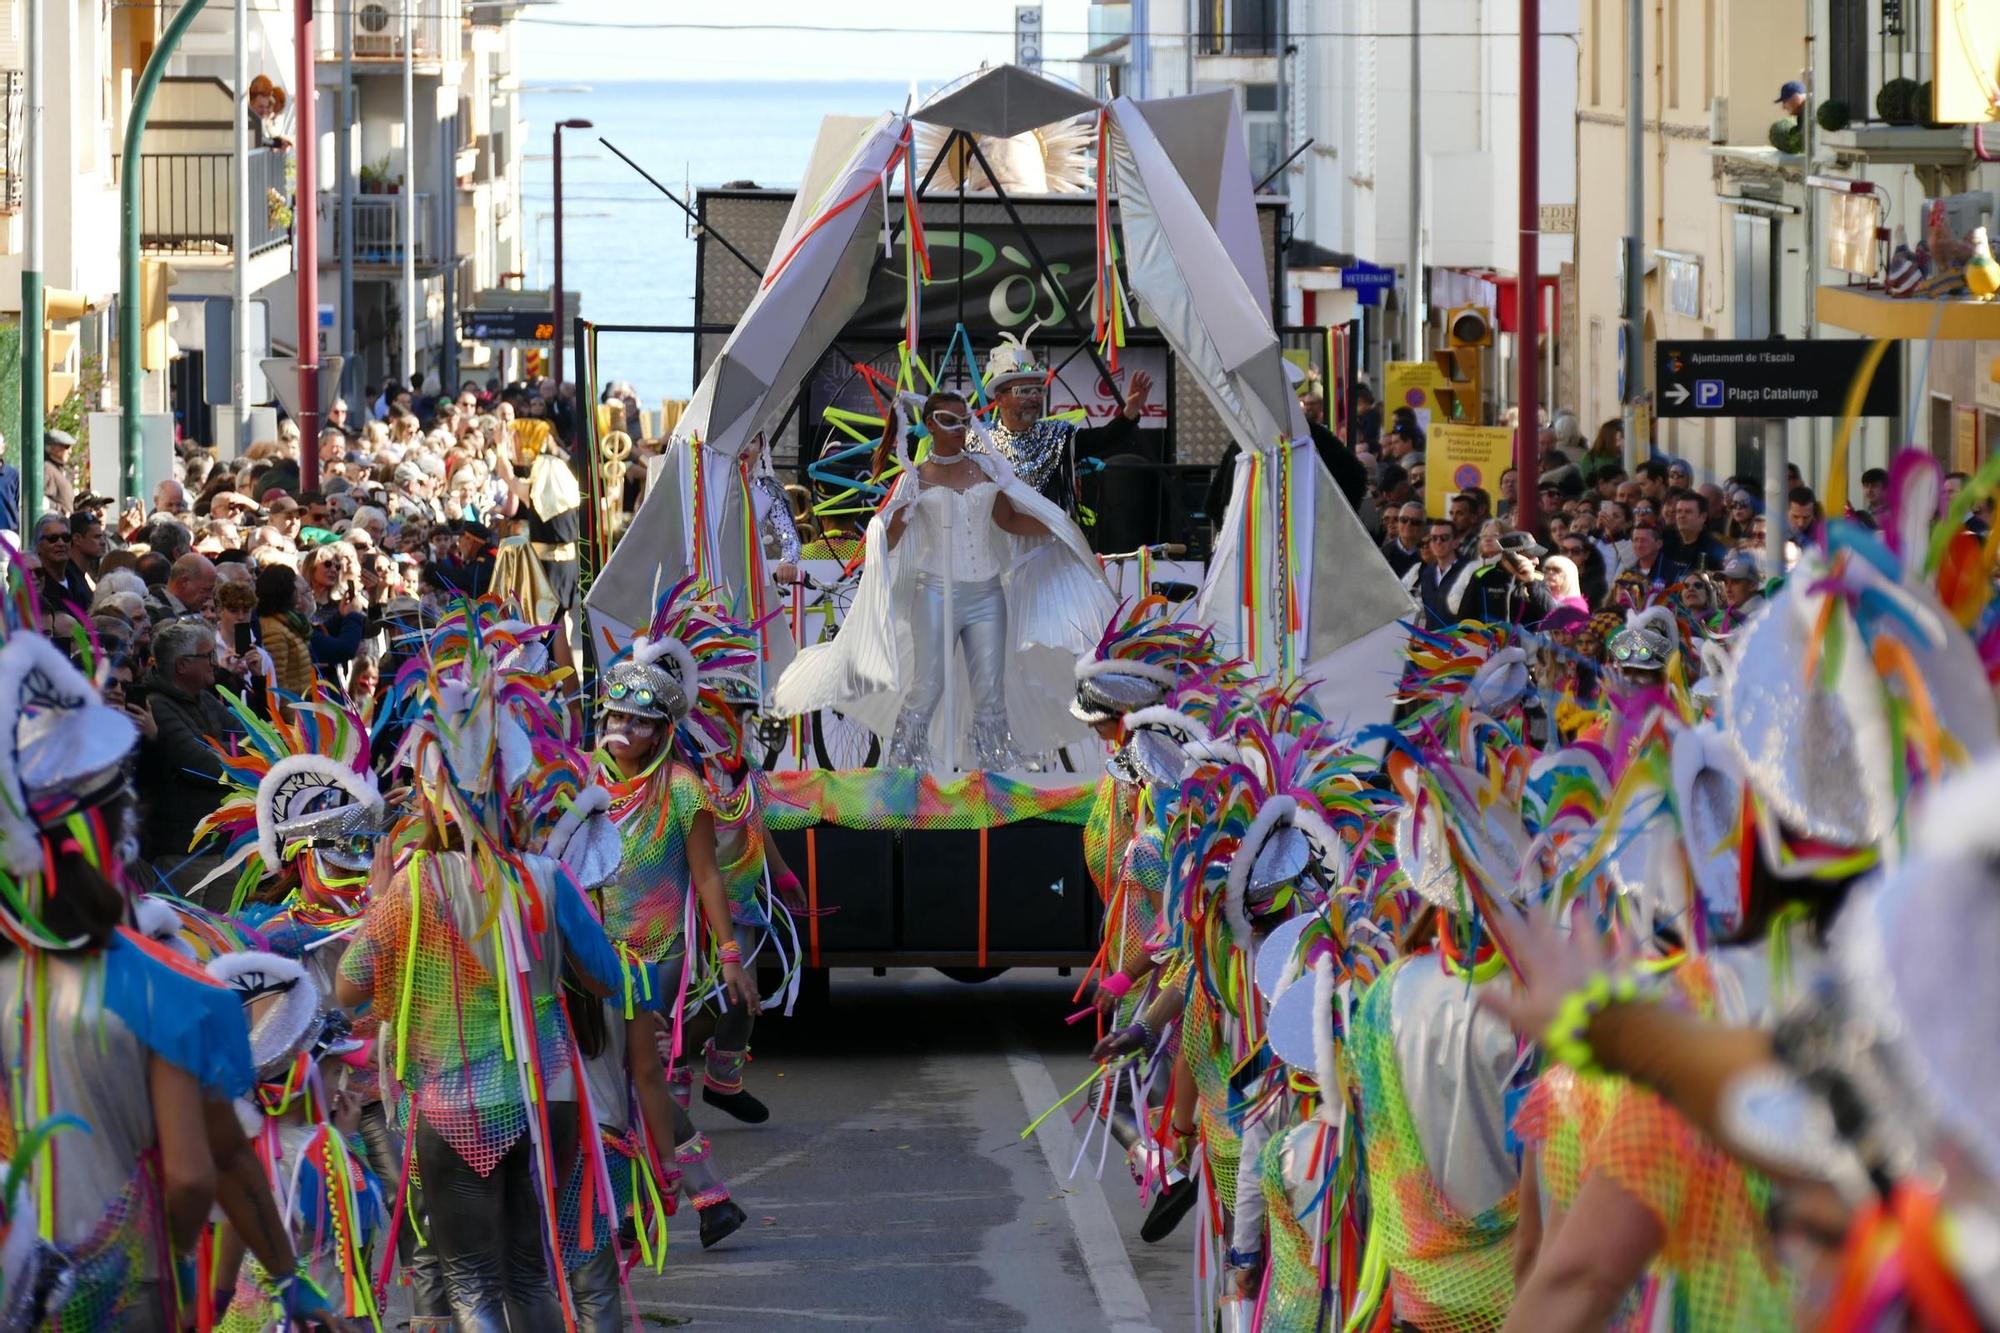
<point x="1671" y="76"/>
<point x="1847" y="57"/>
<point x="1237" y="28"/>
<point x="1707" y="53"/>
<point x="1597" y="52"/>
<point x="1262" y="129"/>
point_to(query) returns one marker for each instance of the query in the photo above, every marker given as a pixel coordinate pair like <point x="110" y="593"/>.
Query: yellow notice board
<point x="1461" y="457"/>
<point x="1412" y="384"/>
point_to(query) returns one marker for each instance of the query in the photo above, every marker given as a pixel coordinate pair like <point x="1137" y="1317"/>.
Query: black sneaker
<point x="1167" y="1211"/>
<point x="721" y="1221"/>
<point x="738" y="1103"/>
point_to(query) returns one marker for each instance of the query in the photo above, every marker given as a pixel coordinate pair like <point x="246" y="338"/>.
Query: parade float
<point x="985" y="869"/>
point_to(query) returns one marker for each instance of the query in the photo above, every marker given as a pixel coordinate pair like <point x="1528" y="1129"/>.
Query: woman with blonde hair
<point x="1565" y="584"/>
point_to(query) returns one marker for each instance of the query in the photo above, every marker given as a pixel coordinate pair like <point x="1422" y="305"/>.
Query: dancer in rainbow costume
<point x="109" y="1034"/>
<point x="459" y="954"/>
<point x="661" y="707"/>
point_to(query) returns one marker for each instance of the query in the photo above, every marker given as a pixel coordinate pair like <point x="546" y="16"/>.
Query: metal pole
<point x="409" y="200"/>
<point x="1527" y="369"/>
<point x="1632" y="368"/>
<point x="131" y="431"/>
<point x="349" y="372"/>
<point x="239" y="289"/>
<point x="448" y="252"/>
<point x="305" y="239"/>
<point x="1809" y="127"/>
<point x="34" y="352"/>
<point x="556" y="284"/>
<point x="1414" y="315"/>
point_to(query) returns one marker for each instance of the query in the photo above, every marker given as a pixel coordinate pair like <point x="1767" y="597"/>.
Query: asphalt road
<point x="891" y="1188"/>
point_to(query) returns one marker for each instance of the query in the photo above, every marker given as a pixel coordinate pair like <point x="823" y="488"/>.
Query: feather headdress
<point x="1141" y="656"/>
<point x="299" y="778"/>
<point x="710" y="657"/>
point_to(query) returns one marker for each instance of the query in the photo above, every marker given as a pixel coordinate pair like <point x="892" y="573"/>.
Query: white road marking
<point x="1119" y="1295"/>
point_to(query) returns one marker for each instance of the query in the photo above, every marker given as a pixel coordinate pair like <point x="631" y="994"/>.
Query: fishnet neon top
<point x="1106" y="830"/>
<point x="1208" y="1061"/>
<point x="420" y="955"/>
<point x="1449" y="1273"/>
<point x="1716" y="1268"/>
<point x="646" y="902"/>
<point x="1295" y="1302"/>
<point x="739" y="849"/>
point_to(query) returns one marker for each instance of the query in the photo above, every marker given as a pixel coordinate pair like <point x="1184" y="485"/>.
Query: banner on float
<point x="1412" y="384"/>
<point x="1461" y="457"/>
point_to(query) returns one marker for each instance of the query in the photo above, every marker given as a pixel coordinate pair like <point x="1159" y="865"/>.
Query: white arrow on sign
<point x="283" y="373"/>
<point x="1677" y="394"/>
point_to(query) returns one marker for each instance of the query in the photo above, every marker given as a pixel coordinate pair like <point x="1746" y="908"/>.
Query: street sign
<point x="1028" y="36"/>
<point x="1368" y="281"/>
<point x="1774" y="378"/>
<point x="507" y="326"/>
<point x="283" y="372"/>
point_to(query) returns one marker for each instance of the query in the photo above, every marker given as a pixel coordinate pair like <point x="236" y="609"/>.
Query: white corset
<point x="956" y="535"/>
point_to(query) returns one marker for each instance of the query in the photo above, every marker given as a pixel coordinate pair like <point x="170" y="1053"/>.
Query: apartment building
<point x="1338" y="80"/>
<point x="1742" y="240"/>
<point x="93" y="52"/>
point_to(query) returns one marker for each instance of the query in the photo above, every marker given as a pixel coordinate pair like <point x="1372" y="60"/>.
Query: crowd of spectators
<point x="239" y="578"/>
<point x="1606" y="540"/>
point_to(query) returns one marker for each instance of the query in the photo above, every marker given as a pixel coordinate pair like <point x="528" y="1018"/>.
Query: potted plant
<point x="1897" y="102"/>
<point x="1833" y="115"/>
<point x="1787" y="137"/>
<point x="375" y="177"/>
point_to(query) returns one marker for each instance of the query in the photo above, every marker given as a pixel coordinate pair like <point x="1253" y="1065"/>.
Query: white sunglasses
<point x="947" y="421"/>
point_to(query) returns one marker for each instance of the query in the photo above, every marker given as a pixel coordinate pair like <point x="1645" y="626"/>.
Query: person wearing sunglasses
<point x="968" y="563"/>
<point x="1043" y="451"/>
<point x="59" y="585"/>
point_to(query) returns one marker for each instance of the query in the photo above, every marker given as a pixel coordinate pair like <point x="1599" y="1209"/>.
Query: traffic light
<point x="156" y="315"/>
<point x="60" y="311"/>
<point x="1468" y="333"/>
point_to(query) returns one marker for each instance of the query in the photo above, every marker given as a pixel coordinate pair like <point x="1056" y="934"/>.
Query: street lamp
<point x="556" y="353"/>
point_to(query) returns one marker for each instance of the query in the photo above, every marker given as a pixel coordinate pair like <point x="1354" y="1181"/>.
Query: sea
<point x="629" y="250"/>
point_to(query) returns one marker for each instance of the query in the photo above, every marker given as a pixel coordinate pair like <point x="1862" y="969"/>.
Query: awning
<point x="1875" y="314"/>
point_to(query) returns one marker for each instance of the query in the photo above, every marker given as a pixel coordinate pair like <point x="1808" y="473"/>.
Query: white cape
<point x="1057" y="606"/>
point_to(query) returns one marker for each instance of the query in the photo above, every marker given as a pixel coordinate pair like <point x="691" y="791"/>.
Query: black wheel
<point x="972" y="976"/>
<point x="840" y="742"/>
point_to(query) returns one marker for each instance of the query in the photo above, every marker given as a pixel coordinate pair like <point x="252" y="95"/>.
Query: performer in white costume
<point x="964" y="553"/>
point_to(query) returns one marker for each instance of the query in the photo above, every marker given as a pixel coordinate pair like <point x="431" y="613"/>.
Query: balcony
<point x="187" y="202"/>
<point x="437" y="33"/>
<point x="378" y="231"/>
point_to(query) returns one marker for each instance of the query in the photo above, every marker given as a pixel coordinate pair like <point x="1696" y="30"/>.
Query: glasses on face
<point x="1439" y="539"/>
<point x="947" y="421"/>
<point x="1571" y="549"/>
<point x="1025" y="390"/>
<point x="1409" y="522"/>
<point x="56" y="538"/>
<point x="641" y="695"/>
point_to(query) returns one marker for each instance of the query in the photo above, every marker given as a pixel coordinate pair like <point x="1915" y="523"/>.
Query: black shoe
<point x="1167" y="1211"/>
<point x="720" y="1222"/>
<point x="738" y="1103"/>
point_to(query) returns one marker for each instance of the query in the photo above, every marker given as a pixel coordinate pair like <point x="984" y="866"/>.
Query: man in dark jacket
<point x="180" y="776"/>
<point x="1440" y="581"/>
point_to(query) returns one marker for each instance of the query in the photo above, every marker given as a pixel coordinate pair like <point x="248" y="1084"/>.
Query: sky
<point x="559" y="43"/>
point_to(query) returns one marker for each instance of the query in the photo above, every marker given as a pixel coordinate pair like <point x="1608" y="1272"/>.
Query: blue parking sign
<point x="1708" y="393"/>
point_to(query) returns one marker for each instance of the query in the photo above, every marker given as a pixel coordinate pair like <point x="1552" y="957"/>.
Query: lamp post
<point x="556" y="352"/>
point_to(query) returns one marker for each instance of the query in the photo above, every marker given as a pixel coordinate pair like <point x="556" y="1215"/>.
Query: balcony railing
<point x="378" y="229"/>
<point x="436" y="30"/>
<point x="187" y="202"/>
